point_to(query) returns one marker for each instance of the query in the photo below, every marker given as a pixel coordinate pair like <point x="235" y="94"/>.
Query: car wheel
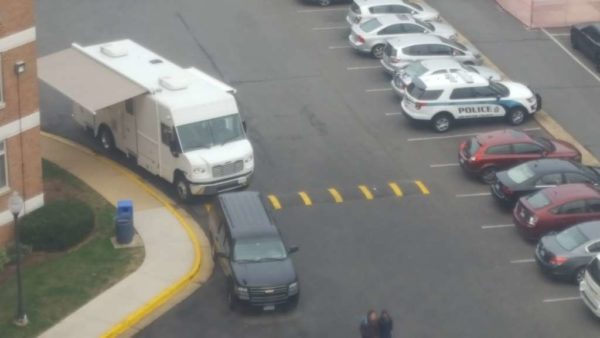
<point x="377" y="51"/>
<point x="488" y="175"/>
<point x="441" y="122"/>
<point x="324" y="3"/>
<point x="106" y="138"/>
<point x="183" y="188"/>
<point x="232" y="301"/>
<point x="579" y="275"/>
<point x="516" y="116"/>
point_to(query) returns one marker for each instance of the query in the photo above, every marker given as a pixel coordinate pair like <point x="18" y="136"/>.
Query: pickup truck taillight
<point x="418" y="105"/>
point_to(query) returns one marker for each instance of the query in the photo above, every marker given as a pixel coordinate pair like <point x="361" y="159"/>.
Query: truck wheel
<point x="106" y="138"/>
<point x="516" y="116"/>
<point x="183" y="188"/>
<point x="441" y="122"/>
<point x="377" y="51"/>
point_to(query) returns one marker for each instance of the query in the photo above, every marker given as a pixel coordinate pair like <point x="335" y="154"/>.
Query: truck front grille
<point x="227" y="169"/>
<point x="274" y="295"/>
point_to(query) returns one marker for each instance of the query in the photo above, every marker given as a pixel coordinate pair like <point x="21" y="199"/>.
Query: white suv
<point x="362" y="10"/>
<point x="442" y="99"/>
<point x="589" y="288"/>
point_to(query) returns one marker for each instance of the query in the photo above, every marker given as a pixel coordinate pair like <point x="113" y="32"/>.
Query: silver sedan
<point x="405" y="76"/>
<point x="371" y="36"/>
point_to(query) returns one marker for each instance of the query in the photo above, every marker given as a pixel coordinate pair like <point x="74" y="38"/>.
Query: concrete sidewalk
<point x="174" y="246"/>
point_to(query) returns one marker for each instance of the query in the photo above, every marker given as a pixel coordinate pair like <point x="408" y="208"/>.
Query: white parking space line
<point x="339" y="47"/>
<point x="456" y="136"/>
<point x="561" y="34"/>
<point x="563" y="299"/>
<point x="571" y="54"/>
<point x="333" y="9"/>
<point x="392" y="114"/>
<point x="377" y="90"/>
<point x="475" y="194"/>
<point x="496" y="226"/>
<point x="363" y="67"/>
<point x="443" y="165"/>
<point x="521" y="261"/>
<point x="329" y="28"/>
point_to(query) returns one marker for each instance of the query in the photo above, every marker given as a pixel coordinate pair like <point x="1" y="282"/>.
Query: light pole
<point x="15" y="204"/>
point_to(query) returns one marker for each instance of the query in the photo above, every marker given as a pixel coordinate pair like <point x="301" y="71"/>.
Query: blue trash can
<point x="124" y="222"/>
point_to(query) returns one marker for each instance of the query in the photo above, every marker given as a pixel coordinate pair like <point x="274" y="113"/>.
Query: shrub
<point x="3" y="258"/>
<point x="58" y="225"/>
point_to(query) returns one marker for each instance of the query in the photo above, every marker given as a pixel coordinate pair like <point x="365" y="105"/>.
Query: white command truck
<point x="180" y="124"/>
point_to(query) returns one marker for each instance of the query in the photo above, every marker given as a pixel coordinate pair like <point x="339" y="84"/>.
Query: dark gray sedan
<point x="565" y="254"/>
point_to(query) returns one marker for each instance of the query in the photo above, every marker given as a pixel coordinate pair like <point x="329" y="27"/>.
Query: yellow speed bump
<point x="422" y="187"/>
<point x="336" y="195"/>
<point x="366" y="192"/>
<point x="395" y="189"/>
<point x="305" y="198"/>
<point x="274" y="201"/>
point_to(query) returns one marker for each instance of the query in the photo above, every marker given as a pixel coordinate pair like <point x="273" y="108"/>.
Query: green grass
<point x="62" y="283"/>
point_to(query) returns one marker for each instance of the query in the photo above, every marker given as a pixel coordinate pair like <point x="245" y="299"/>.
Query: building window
<point x="3" y="179"/>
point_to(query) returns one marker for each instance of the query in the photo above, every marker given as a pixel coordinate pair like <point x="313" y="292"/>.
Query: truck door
<point x="129" y="130"/>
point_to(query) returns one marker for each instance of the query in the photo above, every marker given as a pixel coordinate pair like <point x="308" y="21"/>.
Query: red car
<point x="554" y="209"/>
<point x="483" y="155"/>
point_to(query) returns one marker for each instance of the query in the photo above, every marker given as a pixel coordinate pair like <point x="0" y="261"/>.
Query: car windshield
<point x="472" y="146"/>
<point x="571" y="238"/>
<point x="544" y="142"/>
<point x="205" y="134"/>
<point x="538" y="200"/>
<point x="414" y="5"/>
<point x="370" y="25"/>
<point x="520" y="173"/>
<point x="429" y="25"/>
<point x="453" y="43"/>
<point x="258" y="249"/>
<point x="499" y="88"/>
<point x="414" y="70"/>
<point x="594" y="270"/>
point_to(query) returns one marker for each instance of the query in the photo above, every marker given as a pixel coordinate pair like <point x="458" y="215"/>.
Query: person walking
<point x="386" y="325"/>
<point x="369" y="326"/>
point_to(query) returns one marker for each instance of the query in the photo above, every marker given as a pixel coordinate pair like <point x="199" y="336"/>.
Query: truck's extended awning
<point x="85" y="80"/>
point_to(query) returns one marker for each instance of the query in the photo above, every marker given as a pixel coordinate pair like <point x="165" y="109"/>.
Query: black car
<point x="248" y="246"/>
<point x="586" y="39"/>
<point x="565" y="254"/>
<point x="532" y="176"/>
<point x="325" y="3"/>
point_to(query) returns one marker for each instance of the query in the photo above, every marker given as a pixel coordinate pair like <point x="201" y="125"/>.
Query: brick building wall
<point x="20" y="151"/>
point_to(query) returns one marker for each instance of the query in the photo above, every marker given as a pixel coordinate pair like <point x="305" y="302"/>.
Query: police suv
<point x="444" y="98"/>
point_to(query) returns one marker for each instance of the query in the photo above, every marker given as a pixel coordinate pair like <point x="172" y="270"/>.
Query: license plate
<point x="269" y="307"/>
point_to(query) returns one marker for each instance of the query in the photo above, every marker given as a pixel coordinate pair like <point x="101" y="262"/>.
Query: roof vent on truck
<point x="113" y="50"/>
<point x="173" y="82"/>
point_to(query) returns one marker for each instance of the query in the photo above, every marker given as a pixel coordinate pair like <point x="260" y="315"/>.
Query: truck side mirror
<point x="244" y="126"/>
<point x="174" y="149"/>
<point x="293" y="249"/>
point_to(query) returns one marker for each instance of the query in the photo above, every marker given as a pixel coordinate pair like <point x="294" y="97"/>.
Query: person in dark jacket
<point x="386" y="324"/>
<point x="369" y="326"/>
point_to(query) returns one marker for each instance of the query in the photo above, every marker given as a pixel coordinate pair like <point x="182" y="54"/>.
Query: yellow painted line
<point x="274" y="201"/>
<point x="136" y="316"/>
<point x="366" y="192"/>
<point x="336" y="195"/>
<point x="396" y="189"/>
<point x="305" y="198"/>
<point x="422" y="187"/>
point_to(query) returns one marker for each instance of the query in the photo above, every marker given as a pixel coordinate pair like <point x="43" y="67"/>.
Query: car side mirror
<point x="293" y="249"/>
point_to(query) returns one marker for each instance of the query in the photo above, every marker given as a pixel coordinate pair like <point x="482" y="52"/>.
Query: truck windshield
<point x="258" y="249"/>
<point x="205" y="134"/>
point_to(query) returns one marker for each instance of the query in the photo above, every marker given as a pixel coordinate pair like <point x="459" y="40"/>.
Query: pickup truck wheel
<point x="377" y="51"/>
<point x="441" y="122"/>
<point x="516" y="116"/>
<point x="183" y="188"/>
<point x="106" y="138"/>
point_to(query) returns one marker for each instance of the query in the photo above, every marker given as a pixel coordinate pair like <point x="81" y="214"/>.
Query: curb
<point x="135" y="317"/>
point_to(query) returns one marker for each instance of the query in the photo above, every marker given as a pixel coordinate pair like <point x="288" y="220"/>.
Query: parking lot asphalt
<point x="320" y="116"/>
